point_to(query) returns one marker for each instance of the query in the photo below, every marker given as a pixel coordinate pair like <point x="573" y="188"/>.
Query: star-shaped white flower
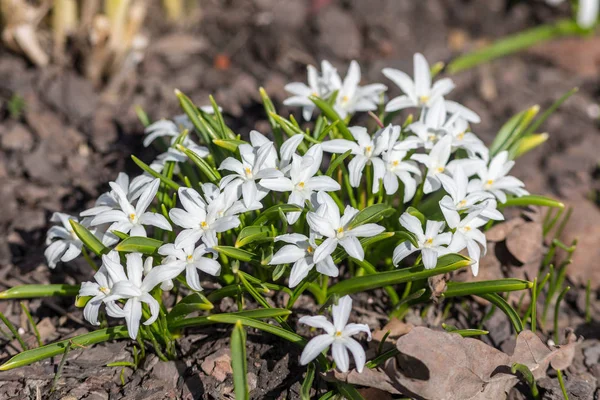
<point x="130" y="219"/>
<point x="436" y="163"/>
<point x="338" y="336"/>
<point x="366" y="150"/>
<point x="467" y="235"/>
<point x="431" y="242"/>
<point x="318" y="86"/>
<point x="302" y="182"/>
<point x="166" y="128"/>
<point x="191" y="260"/>
<point x="300" y="251"/>
<point x="421" y="93"/>
<point x="256" y="164"/>
<point x="352" y="97"/>
<point x="63" y="244"/>
<point x="199" y="220"/>
<point x="135" y="289"/>
<point x="494" y="179"/>
<point x="326" y="221"/>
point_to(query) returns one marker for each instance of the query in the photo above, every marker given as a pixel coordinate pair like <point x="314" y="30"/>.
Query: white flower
<point x="396" y="168"/>
<point x="420" y="92"/>
<point x="366" y="150"/>
<point x="338" y="336"/>
<point x="493" y="179"/>
<point x="100" y="289"/>
<point x="430" y="242"/>
<point x="461" y="138"/>
<point x="168" y="128"/>
<point x="436" y="162"/>
<point x="302" y="182"/>
<point x="130" y="219"/>
<point x="191" y="260"/>
<point x="468" y="235"/>
<point x="352" y="97"/>
<point x="287" y="149"/>
<point x="63" y="243"/>
<point x="135" y="289"/>
<point x="327" y="222"/>
<point x="458" y="198"/>
<point x="432" y="126"/>
<point x="200" y="220"/>
<point x="109" y="200"/>
<point x="300" y="251"/>
<point x="256" y="164"/>
<point x="318" y="86"/>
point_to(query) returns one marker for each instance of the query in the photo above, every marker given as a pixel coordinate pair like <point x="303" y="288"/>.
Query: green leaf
<point x="169" y="182"/>
<point x="416" y="213"/>
<point x="237" y="254"/>
<point x="278" y="272"/>
<point x="35" y="291"/>
<point x="218" y="116"/>
<point x="349" y="392"/>
<point x="528" y="376"/>
<point x="139" y="244"/>
<point x="371" y="214"/>
<point x="330" y="113"/>
<point x="273" y="213"/>
<point x="531" y="200"/>
<point x="229" y="144"/>
<point x="252" y="234"/>
<point x="308" y="381"/>
<point x="446" y="263"/>
<point x="211" y="173"/>
<point x="89" y="239"/>
<point x="335" y="163"/>
<point x="465" y="332"/>
<point x="238" y="361"/>
<point x="538" y="122"/>
<point x="189" y="304"/>
<point x="192" y="112"/>
<point x="120" y="235"/>
<point x="526" y="144"/>
<point x="482" y="287"/>
<point x="514" y="43"/>
<point x="411" y="237"/>
<point x="506" y="308"/>
<point x="249" y="314"/>
<point x="263" y="326"/>
<point x="54" y="349"/>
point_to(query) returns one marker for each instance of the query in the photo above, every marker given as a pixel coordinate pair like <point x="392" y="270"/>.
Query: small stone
<point x="218" y="364"/>
<point x="167" y="372"/>
<point x="19" y="138"/>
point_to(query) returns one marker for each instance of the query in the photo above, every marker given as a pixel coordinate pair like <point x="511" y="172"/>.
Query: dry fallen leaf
<point x="441" y="365"/>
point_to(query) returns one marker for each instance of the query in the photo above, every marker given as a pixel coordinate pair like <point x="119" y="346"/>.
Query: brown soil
<point x="71" y="139"/>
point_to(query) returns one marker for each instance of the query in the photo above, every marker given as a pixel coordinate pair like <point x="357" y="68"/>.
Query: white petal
<point x="278" y="184"/>
<point x="299" y="271"/>
<point x="352" y="246"/>
<point x="318" y="321"/>
<point x="192" y="278"/>
<point x="367" y="230"/>
<point x="402" y="251"/>
<point x="341" y="312"/>
<point x="358" y="353"/>
<point x="315" y="347"/>
<point x="429" y="258"/>
<point x="147" y="196"/>
<point x="340" y="355"/>
<point x="325" y="249"/>
<point x="155" y="219"/>
<point x="287" y="254"/>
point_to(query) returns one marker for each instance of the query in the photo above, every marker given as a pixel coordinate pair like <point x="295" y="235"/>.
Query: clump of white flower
<point x="306" y="209"/>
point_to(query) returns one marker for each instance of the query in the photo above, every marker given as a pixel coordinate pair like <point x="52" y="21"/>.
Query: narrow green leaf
<point x="189" y="304"/>
<point x="531" y="200"/>
<point x="249" y="314"/>
<point x="89" y="239"/>
<point x="506" y="308"/>
<point x="218" y="117"/>
<point x="263" y="326"/>
<point x="446" y="263"/>
<point x="330" y="113"/>
<point x="273" y="213"/>
<point x="120" y="235"/>
<point x="54" y="349"/>
<point x="239" y="362"/>
<point x="237" y="254"/>
<point x="169" y="182"/>
<point x="251" y="234"/>
<point x="465" y="332"/>
<point x="211" y="173"/>
<point x="308" y="381"/>
<point x="348" y="391"/>
<point x="35" y="291"/>
<point x="526" y="144"/>
<point x="336" y="163"/>
<point x="416" y="213"/>
<point x="229" y="144"/>
<point x="482" y="287"/>
<point x="528" y="376"/>
<point x="139" y="244"/>
<point x="411" y="237"/>
<point x="192" y="112"/>
<point x="538" y="122"/>
<point x="371" y="214"/>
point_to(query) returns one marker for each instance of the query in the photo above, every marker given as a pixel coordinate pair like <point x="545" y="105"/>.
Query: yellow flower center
<point x="310" y="250"/>
<point x="248" y="172"/>
<point x="203" y="225"/>
<point x="340" y="232"/>
<point x="396" y="163"/>
<point x="104" y="289"/>
<point x="301" y="185"/>
<point x="423" y="99"/>
<point x="440" y="169"/>
<point x="462" y="203"/>
<point x="345" y="99"/>
<point x="429" y="242"/>
<point x="460" y="136"/>
<point x="132" y="217"/>
<point x="467" y="228"/>
<point x="489" y="182"/>
<point x="190" y="257"/>
<point x="338" y="333"/>
<point x="431" y="137"/>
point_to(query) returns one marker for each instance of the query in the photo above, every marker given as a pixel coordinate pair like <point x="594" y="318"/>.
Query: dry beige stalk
<point x="20" y="22"/>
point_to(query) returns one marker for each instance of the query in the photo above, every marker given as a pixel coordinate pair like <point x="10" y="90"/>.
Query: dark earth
<point x="71" y="138"/>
